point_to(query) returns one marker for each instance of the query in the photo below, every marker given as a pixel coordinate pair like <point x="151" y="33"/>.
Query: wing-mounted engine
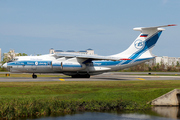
<point x="72" y="66"/>
<point x="68" y="64"/>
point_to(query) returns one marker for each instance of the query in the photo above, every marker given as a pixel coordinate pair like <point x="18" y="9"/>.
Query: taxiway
<point x="103" y="77"/>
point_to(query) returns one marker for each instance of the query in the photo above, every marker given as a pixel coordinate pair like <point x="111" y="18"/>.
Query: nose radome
<point x="5" y="65"/>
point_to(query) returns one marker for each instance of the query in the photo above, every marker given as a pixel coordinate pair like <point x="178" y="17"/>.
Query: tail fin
<point x="143" y="44"/>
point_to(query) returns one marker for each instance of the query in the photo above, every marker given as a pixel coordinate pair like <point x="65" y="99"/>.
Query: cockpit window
<point x="9" y="61"/>
<point x="12" y="60"/>
<point x="15" y="59"/>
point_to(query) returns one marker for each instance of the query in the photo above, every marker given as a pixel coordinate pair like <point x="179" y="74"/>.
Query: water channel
<point x="157" y="113"/>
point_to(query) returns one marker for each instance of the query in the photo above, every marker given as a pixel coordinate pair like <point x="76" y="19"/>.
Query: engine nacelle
<point x="67" y="66"/>
<point x="72" y="66"/>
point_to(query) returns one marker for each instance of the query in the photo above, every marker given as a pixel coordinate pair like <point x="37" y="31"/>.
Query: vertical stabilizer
<point x="143" y="44"/>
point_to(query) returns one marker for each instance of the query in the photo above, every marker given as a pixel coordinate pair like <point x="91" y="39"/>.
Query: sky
<point x="106" y="26"/>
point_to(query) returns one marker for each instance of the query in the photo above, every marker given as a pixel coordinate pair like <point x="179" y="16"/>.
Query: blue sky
<point x="35" y="26"/>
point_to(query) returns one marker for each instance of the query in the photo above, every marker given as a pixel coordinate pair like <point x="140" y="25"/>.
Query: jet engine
<point x="67" y="66"/>
<point x="72" y="66"/>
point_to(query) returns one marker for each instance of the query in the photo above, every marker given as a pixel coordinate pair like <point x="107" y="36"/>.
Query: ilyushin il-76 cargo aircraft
<point x="83" y="66"/>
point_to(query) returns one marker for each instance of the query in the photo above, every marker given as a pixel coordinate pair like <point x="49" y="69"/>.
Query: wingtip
<point x="172" y="25"/>
<point x="125" y="59"/>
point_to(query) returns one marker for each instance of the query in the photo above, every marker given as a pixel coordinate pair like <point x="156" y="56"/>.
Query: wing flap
<point x="92" y="57"/>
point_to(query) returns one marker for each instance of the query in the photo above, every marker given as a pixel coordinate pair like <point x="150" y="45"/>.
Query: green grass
<point x="158" y="74"/>
<point x="51" y="75"/>
<point x="19" y="99"/>
<point x="30" y="75"/>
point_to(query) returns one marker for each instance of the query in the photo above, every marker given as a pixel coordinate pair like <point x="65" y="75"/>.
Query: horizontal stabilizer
<point x="156" y="27"/>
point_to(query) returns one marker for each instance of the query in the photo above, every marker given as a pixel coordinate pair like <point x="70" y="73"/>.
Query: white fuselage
<point x="77" y="65"/>
<point x="69" y="66"/>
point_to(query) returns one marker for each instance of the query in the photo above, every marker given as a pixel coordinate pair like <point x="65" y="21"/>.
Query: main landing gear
<point x="81" y="76"/>
<point x="34" y="76"/>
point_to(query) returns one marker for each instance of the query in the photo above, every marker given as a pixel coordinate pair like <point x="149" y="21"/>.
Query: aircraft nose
<point x="5" y="65"/>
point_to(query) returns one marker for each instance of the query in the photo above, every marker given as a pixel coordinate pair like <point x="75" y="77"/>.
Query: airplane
<point x="83" y="66"/>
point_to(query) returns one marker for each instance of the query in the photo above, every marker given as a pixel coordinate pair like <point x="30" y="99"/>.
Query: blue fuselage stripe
<point x="93" y="63"/>
<point x="149" y="43"/>
<point x="30" y="63"/>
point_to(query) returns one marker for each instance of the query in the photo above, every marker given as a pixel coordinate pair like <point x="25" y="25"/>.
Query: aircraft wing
<point x="92" y="57"/>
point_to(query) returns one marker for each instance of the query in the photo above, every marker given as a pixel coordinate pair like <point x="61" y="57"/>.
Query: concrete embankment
<point x="171" y="98"/>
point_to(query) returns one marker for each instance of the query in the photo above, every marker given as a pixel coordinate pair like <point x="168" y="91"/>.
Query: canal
<point x="156" y="113"/>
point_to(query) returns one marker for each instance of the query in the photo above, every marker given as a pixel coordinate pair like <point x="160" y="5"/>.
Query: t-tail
<point x="141" y="48"/>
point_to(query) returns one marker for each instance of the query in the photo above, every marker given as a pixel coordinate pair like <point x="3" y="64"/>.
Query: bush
<point x="31" y="107"/>
<point x="153" y="68"/>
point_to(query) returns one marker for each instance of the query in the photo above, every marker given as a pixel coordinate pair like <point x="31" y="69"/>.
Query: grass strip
<point x="27" y="99"/>
<point x="157" y="74"/>
<point x="30" y="75"/>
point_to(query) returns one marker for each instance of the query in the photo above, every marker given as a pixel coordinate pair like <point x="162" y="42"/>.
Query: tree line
<point x="144" y="67"/>
<point x="159" y="67"/>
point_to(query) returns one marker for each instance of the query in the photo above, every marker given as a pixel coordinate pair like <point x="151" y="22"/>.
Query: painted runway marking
<point x="140" y="78"/>
<point x="61" y="79"/>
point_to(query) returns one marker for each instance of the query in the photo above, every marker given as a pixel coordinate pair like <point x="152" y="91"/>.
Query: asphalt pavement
<point x="111" y="76"/>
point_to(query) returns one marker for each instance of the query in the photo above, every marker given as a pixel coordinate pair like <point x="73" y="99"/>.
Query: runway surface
<point x="103" y="77"/>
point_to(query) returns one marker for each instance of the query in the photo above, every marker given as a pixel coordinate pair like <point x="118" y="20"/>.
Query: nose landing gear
<point x="34" y="76"/>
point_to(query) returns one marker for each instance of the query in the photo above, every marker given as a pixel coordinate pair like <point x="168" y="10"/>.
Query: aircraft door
<point x="56" y="66"/>
<point x="19" y="66"/>
<point x="33" y="67"/>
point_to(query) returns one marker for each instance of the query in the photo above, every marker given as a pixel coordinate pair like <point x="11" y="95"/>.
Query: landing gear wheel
<point x="87" y="76"/>
<point x="81" y="76"/>
<point x="74" y="76"/>
<point x="34" y="76"/>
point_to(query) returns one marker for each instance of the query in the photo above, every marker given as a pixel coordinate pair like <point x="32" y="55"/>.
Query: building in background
<point x="87" y="52"/>
<point x="0" y="54"/>
<point x="167" y="61"/>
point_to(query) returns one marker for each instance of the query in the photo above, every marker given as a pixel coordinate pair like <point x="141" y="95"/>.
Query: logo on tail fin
<point x="139" y="44"/>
